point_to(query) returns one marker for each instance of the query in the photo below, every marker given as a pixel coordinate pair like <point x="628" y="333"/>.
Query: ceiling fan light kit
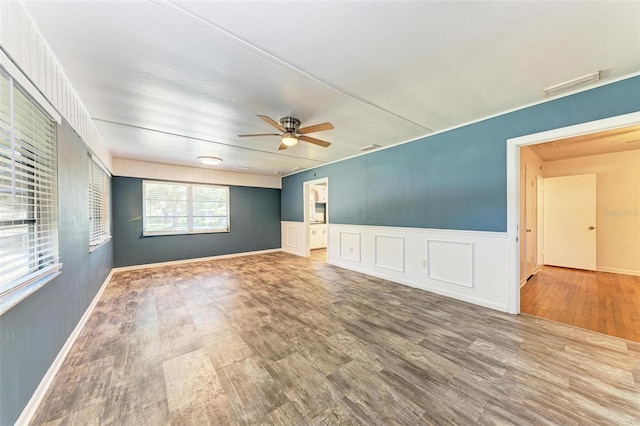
<point x="210" y="161"/>
<point x="292" y="133"/>
<point x="289" y="139"/>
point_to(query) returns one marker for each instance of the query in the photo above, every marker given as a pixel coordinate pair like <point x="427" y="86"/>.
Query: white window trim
<point x="102" y="239"/>
<point x="29" y="285"/>
<point x="189" y="231"/>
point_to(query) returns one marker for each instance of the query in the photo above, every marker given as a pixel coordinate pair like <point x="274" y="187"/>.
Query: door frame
<point x="305" y="205"/>
<point x="529" y="203"/>
<point x="513" y="188"/>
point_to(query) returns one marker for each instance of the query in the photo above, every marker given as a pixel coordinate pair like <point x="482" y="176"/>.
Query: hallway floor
<point x="599" y="301"/>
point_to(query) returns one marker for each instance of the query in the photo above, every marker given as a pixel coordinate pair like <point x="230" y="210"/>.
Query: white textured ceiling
<point x="169" y="81"/>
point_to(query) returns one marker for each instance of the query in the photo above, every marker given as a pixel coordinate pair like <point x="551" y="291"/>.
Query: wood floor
<point x="279" y="339"/>
<point x="599" y="301"/>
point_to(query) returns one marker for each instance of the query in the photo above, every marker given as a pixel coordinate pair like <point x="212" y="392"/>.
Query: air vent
<point x="368" y="147"/>
<point x="243" y="168"/>
<point x="295" y="169"/>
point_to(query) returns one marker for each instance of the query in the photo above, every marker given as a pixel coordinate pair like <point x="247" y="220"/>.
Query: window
<point x="99" y="206"/>
<point x="28" y="190"/>
<point x="182" y="208"/>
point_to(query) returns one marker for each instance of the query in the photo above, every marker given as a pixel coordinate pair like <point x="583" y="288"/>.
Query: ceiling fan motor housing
<point x="290" y="123"/>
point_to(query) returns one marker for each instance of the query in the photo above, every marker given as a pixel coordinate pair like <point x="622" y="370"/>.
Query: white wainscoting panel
<point x="390" y="252"/>
<point x="450" y="262"/>
<point x="465" y="265"/>
<point x="292" y="237"/>
<point x="349" y="246"/>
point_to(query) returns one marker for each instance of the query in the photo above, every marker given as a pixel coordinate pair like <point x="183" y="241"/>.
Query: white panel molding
<point x="450" y="262"/>
<point x="293" y="238"/>
<point x="618" y="271"/>
<point x="350" y="246"/>
<point x="389" y="252"/>
<point x="31" y="408"/>
<point x="29" y="57"/>
<point x="148" y="170"/>
<point x="193" y="260"/>
<point x="486" y="270"/>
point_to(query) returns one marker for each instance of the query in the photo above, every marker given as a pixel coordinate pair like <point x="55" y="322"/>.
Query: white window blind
<point x="28" y="189"/>
<point x="99" y="205"/>
<point x="182" y="208"/>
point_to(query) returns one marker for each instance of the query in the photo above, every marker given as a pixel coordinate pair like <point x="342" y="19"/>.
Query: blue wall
<point x="254" y="220"/>
<point x="33" y="332"/>
<point x="452" y="180"/>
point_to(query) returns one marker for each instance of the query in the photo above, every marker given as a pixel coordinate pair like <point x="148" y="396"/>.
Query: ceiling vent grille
<point x="368" y="147"/>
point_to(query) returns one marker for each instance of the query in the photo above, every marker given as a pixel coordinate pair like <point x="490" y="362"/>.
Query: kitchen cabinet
<point x="319" y="193"/>
<point x="318" y="236"/>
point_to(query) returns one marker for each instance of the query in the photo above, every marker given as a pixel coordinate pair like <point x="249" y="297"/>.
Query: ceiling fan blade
<point x="272" y="122"/>
<point x="316" y="128"/>
<point x="260" y="134"/>
<point x="282" y="146"/>
<point x="314" y="141"/>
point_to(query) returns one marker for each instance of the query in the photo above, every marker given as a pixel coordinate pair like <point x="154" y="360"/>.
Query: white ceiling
<point x="169" y="81"/>
<point x="616" y="140"/>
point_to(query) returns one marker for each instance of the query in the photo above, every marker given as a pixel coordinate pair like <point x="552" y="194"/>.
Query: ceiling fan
<point x="291" y="133"/>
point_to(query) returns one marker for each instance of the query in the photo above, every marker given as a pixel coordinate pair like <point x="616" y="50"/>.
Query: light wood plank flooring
<point x="599" y="301"/>
<point x="279" y="339"/>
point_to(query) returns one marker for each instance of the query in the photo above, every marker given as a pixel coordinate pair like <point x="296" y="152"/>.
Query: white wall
<point x="617" y="205"/>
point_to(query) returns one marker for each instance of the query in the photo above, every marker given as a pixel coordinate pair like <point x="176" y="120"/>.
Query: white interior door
<point x="529" y="223"/>
<point x="569" y="221"/>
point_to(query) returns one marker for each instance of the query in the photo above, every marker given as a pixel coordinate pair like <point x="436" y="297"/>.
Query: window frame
<point x="189" y="230"/>
<point x="19" y="288"/>
<point x="104" y="234"/>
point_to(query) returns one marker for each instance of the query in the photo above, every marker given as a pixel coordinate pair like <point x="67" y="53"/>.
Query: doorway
<point x="514" y="192"/>
<point x="316" y="219"/>
<point x="598" y="293"/>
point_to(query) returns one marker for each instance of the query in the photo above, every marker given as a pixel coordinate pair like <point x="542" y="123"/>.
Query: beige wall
<point x="617" y="205"/>
<point x="530" y="159"/>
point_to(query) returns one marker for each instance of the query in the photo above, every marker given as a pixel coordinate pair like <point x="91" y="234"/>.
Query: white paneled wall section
<point x="146" y="170"/>
<point x="293" y="238"/>
<point x="24" y="47"/>
<point x="465" y="265"/>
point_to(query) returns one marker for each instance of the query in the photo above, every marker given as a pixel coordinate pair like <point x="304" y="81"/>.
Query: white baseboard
<point x="619" y="271"/>
<point x="523" y="282"/>
<point x="197" y="259"/>
<point x="32" y="406"/>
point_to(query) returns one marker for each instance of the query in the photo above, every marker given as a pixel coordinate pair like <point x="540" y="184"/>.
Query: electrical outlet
<point x="351" y="250"/>
<point x="424" y="263"/>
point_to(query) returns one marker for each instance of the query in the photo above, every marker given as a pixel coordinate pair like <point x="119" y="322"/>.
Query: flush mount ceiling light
<point x="562" y="87"/>
<point x="289" y="139"/>
<point x="210" y="161"/>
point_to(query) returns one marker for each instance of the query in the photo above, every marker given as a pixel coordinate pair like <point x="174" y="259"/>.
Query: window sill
<point x="98" y="243"/>
<point x="17" y="294"/>
<point x="160" y="234"/>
